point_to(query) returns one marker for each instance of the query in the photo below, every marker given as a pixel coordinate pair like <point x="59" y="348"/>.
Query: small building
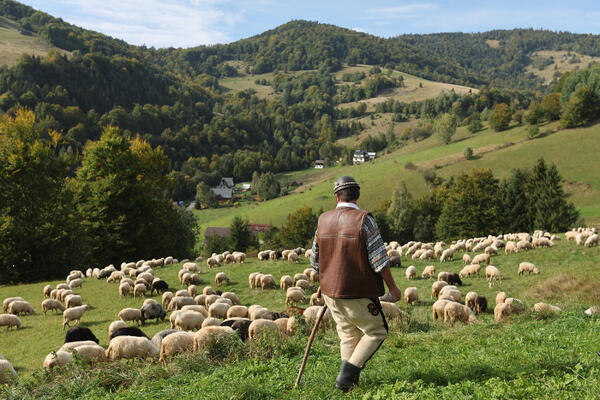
<point x="371" y="155"/>
<point x="320" y="164"/>
<point x="223" y="193"/>
<point x="245" y="187"/>
<point x="25" y="32"/>
<point x="226" y="183"/>
<point x="359" y="157"/>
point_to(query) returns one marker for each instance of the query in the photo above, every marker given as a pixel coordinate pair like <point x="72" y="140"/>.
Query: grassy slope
<point x="13" y="44"/>
<point x="526" y="358"/>
<point x="559" y="65"/>
<point x="379" y="179"/>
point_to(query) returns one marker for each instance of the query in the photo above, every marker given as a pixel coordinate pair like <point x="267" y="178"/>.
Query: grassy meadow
<point x="526" y="357"/>
<point x="500" y="151"/>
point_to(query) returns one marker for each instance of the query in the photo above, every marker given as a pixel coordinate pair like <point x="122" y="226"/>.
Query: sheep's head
<point x="536" y="271"/>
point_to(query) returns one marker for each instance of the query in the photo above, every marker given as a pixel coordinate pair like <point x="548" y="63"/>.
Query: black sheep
<point x="104" y="274"/>
<point x="279" y="254"/>
<point x="480" y="304"/>
<point x="160" y="286"/>
<point x="241" y="326"/>
<point x="128" y="331"/>
<point x="80" y="333"/>
<point x="153" y="310"/>
<point x="454" y="279"/>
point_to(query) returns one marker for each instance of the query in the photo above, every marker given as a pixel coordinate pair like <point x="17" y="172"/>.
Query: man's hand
<point x="396" y="294"/>
<point x="319" y="292"/>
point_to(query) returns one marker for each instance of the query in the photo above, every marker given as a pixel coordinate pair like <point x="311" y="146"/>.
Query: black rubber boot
<point x="348" y="376"/>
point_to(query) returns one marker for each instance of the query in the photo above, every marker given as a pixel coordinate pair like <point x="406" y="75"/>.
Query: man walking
<point x="349" y="255"/>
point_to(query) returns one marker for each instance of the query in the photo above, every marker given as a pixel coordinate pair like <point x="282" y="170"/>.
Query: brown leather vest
<point x="344" y="268"/>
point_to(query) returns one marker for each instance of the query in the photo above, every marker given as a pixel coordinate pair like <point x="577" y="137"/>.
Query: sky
<point x="188" y="23"/>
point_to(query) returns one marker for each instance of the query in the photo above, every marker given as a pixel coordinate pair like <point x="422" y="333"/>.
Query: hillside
<point x="532" y="354"/>
<point x="13" y="44"/>
<point x="500" y="151"/>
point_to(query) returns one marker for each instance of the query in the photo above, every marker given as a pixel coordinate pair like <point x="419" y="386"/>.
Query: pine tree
<point x="552" y="212"/>
<point x="514" y="203"/>
<point x="240" y="236"/>
<point x="401" y="214"/>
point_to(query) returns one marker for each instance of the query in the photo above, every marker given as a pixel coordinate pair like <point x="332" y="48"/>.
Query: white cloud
<point x="406" y="11"/>
<point x="179" y="23"/>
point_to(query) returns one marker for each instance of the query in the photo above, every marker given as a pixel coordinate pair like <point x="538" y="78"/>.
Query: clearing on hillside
<point x="550" y="64"/>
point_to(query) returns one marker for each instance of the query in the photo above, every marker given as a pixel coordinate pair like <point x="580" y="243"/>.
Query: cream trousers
<point x="361" y="326"/>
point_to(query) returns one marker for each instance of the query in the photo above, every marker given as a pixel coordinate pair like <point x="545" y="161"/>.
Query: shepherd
<point x="350" y="258"/>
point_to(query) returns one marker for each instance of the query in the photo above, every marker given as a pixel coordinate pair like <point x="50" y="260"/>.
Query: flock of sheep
<point x="215" y="315"/>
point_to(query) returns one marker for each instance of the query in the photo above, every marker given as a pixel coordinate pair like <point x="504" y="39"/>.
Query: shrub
<point x="468" y="153"/>
<point x="533" y="131"/>
<point x="410" y="166"/>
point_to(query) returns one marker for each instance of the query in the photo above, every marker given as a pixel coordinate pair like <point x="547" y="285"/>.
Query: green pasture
<point x="524" y="358"/>
<point x="500" y="151"/>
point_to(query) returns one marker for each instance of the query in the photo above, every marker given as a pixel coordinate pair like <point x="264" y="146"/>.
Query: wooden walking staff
<point x="309" y="344"/>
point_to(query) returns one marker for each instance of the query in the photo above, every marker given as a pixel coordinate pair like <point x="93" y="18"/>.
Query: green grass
<point x="524" y="358"/>
<point x="573" y="151"/>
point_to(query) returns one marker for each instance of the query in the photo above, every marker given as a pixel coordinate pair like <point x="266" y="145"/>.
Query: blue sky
<point x="187" y="23"/>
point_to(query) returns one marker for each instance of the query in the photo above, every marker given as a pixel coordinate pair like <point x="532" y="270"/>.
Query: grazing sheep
<point x="114" y="326"/>
<point x="63" y="294"/>
<point x="52" y="304"/>
<point x="237" y="311"/>
<point x="130" y="314"/>
<point x="7" y="372"/>
<point x="158" y="338"/>
<point x="47" y="290"/>
<point x="73" y="300"/>
<point x="176" y="343"/>
<point x="411" y="272"/>
<point x="524" y="245"/>
<point x="545" y="309"/>
<point x="189" y="320"/>
<point x="182" y="293"/>
<point x="411" y="295"/>
<point x="593" y="310"/>
<point x="211" y="321"/>
<point x="591" y="241"/>
<point x="192" y="290"/>
<point x="152" y="310"/>
<point x="131" y="347"/>
<point x="310" y="315"/>
<point x="179" y="301"/>
<point x="491" y="272"/>
<point x="208" y="291"/>
<point x="491" y="250"/>
<point x="466" y="259"/>
<point x="220" y="278"/>
<point x="20" y="307"/>
<point x="251" y="279"/>
<point x="453" y="278"/>
<point x="124" y="289"/>
<point x="218" y="310"/>
<point x="139" y="289"/>
<point x="305" y="285"/>
<point x="443" y="276"/>
<point x="285" y="282"/>
<point x="90" y="352"/>
<point x="212" y="263"/>
<point x="447" y="254"/>
<point x="391" y="311"/>
<point x="211" y="299"/>
<point x="528" y="267"/>
<point x="429" y="272"/>
<point x="451" y="294"/>
<point x="9" y="321"/>
<point x="232" y="297"/>
<point x="501" y="312"/>
<point x="500" y="297"/>
<point x="63" y="286"/>
<point x="293" y="257"/>
<point x="258" y="327"/>
<point x="511" y="247"/>
<point x="166" y="299"/>
<point x="436" y="287"/>
<point x="438" y="308"/>
<point x="300" y="276"/>
<point x="222" y="300"/>
<point x="160" y="286"/>
<point x="210" y="334"/>
<point x="471" y="269"/>
<point x="198" y="308"/>
<point x="80" y="333"/>
<point x="293" y="297"/>
<point x="470" y="300"/>
<point x="516" y="305"/>
<point x="267" y="281"/>
<point x="481" y="258"/>
<point x="57" y="359"/>
<point x="457" y="312"/>
<point x="315" y="300"/>
<point x="480" y="304"/>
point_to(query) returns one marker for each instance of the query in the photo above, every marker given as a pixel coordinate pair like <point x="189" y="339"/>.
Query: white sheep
<point x="130" y="314"/>
<point x="213" y="262"/>
<point x="443" y="276"/>
<point x="391" y="311"/>
<point x="293" y="257"/>
<point x="511" y="247"/>
<point x="20" y="307"/>
<point x="545" y="309"/>
<point x="466" y="259"/>
<point x="198" y="308"/>
<point x="218" y="310"/>
<point x="124" y="289"/>
<point x="300" y="276"/>
<point x="528" y="267"/>
<point x="310" y="315"/>
<point x="524" y="245"/>
<point x="471" y="269"/>
<point x="436" y="287"/>
<point x="179" y="301"/>
<point x="188" y="320"/>
<point x="267" y="281"/>
<point x="90" y="352"/>
<point x="7" y="372"/>
<point x="73" y="300"/>
<point x="192" y="290"/>
<point x="176" y="343"/>
<point x="429" y="272"/>
<point x="470" y="299"/>
<point x="258" y="327"/>
<point x="237" y="311"/>
<point x="10" y="320"/>
<point x="139" y="289"/>
<point x="411" y="295"/>
<point x="211" y="321"/>
<point x="210" y="334"/>
<point x="447" y="254"/>
<point x="57" y="359"/>
<point x="131" y="347"/>
<point x="500" y="297"/>
<point x="501" y="312"/>
<point x="166" y="299"/>
<point x="294" y="295"/>
<point x="251" y="279"/>
<point x="457" y="312"/>
<point x="52" y="304"/>
<point x="491" y="272"/>
<point x="315" y="300"/>
<point x="220" y="278"/>
<point x="591" y="241"/>
<point x="182" y="293"/>
<point x="438" y="308"/>
<point x="231" y="296"/>
<point x="481" y="258"/>
<point x="285" y="282"/>
<point x="304" y="284"/>
<point x="450" y="294"/>
<point x="47" y="290"/>
<point x="208" y="290"/>
<point x="411" y="272"/>
<point x="115" y="325"/>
